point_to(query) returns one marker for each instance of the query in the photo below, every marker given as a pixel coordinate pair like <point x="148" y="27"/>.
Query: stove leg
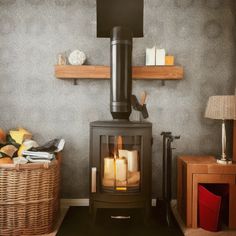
<point x="168" y="215"/>
<point x="169" y="219"/>
<point x="93" y="214"/>
<point x="90" y="208"/>
<point x="147" y="212"/>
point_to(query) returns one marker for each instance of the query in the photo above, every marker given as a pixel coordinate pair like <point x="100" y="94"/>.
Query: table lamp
<point x="222" y="108"/>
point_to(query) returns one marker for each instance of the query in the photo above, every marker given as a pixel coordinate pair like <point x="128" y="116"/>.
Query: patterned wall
<point x="200" y="33"/>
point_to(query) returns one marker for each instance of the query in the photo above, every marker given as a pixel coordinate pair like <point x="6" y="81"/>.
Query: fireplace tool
<point x="168" y="138"/>
<point x="141" y="107"/>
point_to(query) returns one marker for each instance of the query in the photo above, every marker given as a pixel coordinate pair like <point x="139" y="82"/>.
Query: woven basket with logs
<point x="29" y="198"/>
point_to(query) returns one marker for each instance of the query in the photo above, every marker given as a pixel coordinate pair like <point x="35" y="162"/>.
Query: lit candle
<point x="121" y="169"/>
<point x="109" y="172"/>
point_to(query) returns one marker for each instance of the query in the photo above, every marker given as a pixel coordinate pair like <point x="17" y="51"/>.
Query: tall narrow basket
<point x="29" y="198"/>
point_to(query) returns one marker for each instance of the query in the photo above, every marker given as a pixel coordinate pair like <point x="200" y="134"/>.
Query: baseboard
<point x="66" y="203"/>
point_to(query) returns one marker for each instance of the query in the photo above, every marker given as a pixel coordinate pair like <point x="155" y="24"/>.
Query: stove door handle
<point x="121" y="217"/>
<point x="94" y="180"/>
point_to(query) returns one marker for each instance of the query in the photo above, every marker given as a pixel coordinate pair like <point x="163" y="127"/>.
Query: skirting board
<point x="66" y="203"/>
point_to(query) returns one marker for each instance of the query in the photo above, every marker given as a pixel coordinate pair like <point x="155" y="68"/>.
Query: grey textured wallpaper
<point x="201" y="34"/>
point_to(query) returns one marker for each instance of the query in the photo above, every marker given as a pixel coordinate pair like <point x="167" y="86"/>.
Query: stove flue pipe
<point x="121" y="73"/>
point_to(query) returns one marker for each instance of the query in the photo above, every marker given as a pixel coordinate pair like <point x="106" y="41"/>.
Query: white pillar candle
<point x="121" y="169"/>
<point x="109" y="168"/>
<point x="132" y="158"/>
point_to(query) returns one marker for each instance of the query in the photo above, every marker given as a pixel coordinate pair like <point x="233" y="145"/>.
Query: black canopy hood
<point x="124" y="13"/>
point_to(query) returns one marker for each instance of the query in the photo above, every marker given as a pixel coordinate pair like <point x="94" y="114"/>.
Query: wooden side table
<point x="234" y="142"/>
<point x="193" y="170"/>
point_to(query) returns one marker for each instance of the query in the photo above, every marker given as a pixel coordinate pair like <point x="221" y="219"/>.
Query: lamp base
<point x="223" y="162"/>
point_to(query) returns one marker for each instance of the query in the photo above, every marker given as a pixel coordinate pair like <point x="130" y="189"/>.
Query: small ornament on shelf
<point x="158" y="57"/>
<point x="61" y="59"/>
<point x="151" y="56"/>
<point x="77" y="57"/>
<point x="170" y="60"/>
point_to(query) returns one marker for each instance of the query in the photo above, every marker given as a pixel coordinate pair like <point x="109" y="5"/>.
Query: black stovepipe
<point x="121" y="73"/>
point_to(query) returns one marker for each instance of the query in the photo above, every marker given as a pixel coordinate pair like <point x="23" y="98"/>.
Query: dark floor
<point x="76" y="223"/>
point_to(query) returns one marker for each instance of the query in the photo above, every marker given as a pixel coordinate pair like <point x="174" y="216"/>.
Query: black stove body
<point x="120" y="161"/>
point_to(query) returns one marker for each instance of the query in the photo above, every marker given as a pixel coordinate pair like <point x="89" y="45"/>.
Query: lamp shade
<point x="221" y="107"/>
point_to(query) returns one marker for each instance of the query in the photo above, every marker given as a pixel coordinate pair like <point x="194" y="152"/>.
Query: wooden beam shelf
<point x="103" y="72"/>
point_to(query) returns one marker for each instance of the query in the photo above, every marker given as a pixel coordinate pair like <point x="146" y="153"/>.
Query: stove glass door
<point x="120" y="163"/>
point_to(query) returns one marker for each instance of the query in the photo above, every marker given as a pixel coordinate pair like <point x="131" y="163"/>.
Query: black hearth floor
<point x="76" y="223"/>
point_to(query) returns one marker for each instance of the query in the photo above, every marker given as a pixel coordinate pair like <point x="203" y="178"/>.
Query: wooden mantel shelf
<point x="103" y="72"/>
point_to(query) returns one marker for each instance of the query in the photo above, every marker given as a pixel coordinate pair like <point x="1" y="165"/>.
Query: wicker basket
<point x="29" y="198"/>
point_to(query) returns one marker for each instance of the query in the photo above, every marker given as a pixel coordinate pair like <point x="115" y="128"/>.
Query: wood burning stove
<point x="120" y="161"/>
<point x="120" y="150"/>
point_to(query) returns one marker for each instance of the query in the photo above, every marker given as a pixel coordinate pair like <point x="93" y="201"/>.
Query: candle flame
<point x="118" y="145"/>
